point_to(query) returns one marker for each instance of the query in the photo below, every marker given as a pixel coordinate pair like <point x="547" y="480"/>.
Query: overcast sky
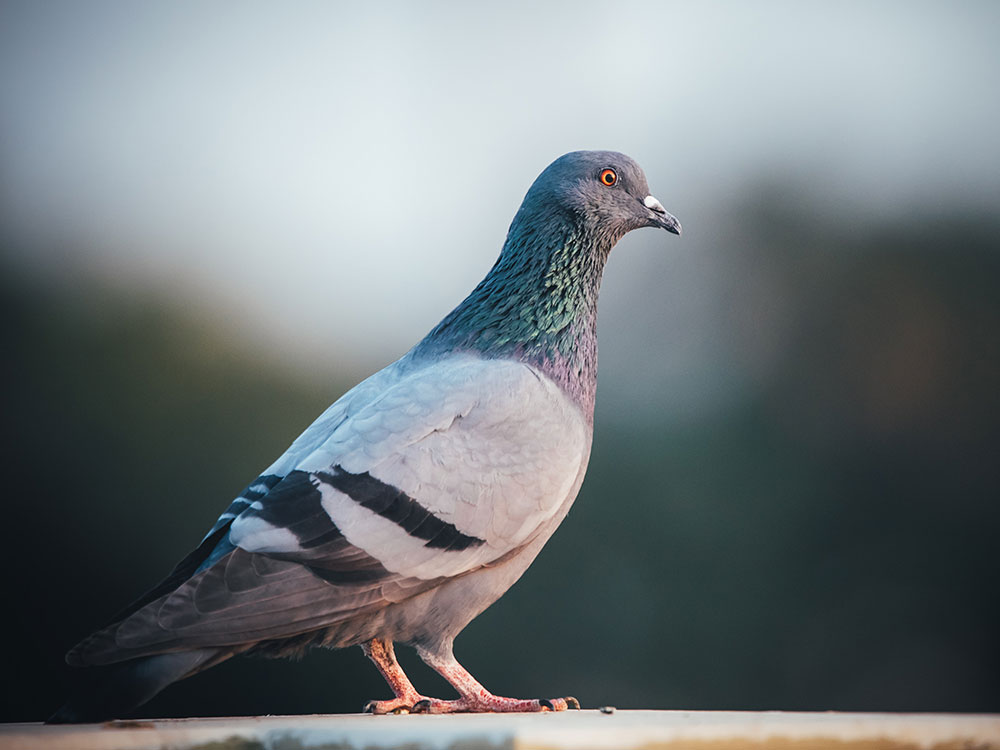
<point x="337" y="176"/>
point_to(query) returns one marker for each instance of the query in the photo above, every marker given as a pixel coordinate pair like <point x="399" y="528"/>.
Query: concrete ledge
<point x="576" y="730"/>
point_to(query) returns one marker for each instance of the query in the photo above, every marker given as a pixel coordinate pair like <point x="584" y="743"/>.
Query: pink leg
<point x="381" y="652"/>
<point x="474" y="698"/>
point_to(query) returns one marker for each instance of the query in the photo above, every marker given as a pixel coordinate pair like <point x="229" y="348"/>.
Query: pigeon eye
<point x="608" y="177"/>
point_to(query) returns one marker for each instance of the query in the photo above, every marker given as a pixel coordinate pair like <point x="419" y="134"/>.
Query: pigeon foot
<point x="489" y="703"/>
<point x="402" y="705"/>
<point x="480" y="704"/>
<point x="381" y="652"/>
<point x="474" y="698"/>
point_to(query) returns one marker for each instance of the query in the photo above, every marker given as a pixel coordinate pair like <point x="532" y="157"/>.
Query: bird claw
<point x="397" y="706"/>
<point x="560" y="704"/>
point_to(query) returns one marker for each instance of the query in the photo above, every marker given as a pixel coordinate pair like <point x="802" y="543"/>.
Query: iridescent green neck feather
<point x="538" y="304"/>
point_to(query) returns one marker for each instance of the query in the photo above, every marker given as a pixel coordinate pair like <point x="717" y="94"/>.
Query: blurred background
<point x="216" y="217"/>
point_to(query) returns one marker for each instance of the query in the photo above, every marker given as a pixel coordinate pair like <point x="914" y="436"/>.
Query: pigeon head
<point x="603" y="193"/>
<point x="538" y="304"/>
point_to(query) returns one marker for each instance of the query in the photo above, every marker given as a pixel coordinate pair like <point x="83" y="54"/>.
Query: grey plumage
<point x="422" y="494"/>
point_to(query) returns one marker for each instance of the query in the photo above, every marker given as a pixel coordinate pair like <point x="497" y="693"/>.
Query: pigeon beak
<point x="660" y="217"/>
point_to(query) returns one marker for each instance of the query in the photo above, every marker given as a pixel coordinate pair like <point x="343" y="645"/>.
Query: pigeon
<point x="421" y="495"/>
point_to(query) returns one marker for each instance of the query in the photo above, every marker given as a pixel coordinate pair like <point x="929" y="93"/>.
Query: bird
<point x="421" y="495"/>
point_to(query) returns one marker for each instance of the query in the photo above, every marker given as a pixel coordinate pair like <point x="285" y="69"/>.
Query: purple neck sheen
<point x="538" y="304"/>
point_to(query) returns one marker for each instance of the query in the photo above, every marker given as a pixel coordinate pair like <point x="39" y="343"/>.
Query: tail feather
<point x="114" y="691"/>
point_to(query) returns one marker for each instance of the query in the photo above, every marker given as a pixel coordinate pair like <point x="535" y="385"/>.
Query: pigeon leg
<point x="380" y="651"/>
<point x="474" y="697"/>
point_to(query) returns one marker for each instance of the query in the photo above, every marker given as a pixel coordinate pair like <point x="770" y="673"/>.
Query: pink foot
<point x="489" y="703"/>
<point x="402" y="705"/>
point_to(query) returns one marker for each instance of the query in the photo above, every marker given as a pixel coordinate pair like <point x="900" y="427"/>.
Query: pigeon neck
<point x="538" y="305"/>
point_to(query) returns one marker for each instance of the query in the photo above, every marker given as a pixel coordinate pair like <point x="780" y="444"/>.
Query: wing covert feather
<point x="477" y="457"/>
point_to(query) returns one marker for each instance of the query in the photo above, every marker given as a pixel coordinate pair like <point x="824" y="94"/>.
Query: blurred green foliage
<point x="827" y="541"/>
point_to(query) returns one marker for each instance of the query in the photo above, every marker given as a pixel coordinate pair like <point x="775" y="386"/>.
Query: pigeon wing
<point x="451" y="467"/>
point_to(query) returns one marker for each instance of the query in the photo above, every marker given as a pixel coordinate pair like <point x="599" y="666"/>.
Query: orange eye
<point x="608" y="177"/>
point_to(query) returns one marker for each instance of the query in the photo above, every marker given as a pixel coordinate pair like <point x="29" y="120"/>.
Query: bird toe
<point x="559" y="704"/>
<point x="393" y="706"/>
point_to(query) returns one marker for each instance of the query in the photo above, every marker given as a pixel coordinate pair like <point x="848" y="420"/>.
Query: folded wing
<point x="440" y="470"/>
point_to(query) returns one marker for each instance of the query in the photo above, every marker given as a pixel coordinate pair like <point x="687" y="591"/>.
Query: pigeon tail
<point x="112" y="692"/>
